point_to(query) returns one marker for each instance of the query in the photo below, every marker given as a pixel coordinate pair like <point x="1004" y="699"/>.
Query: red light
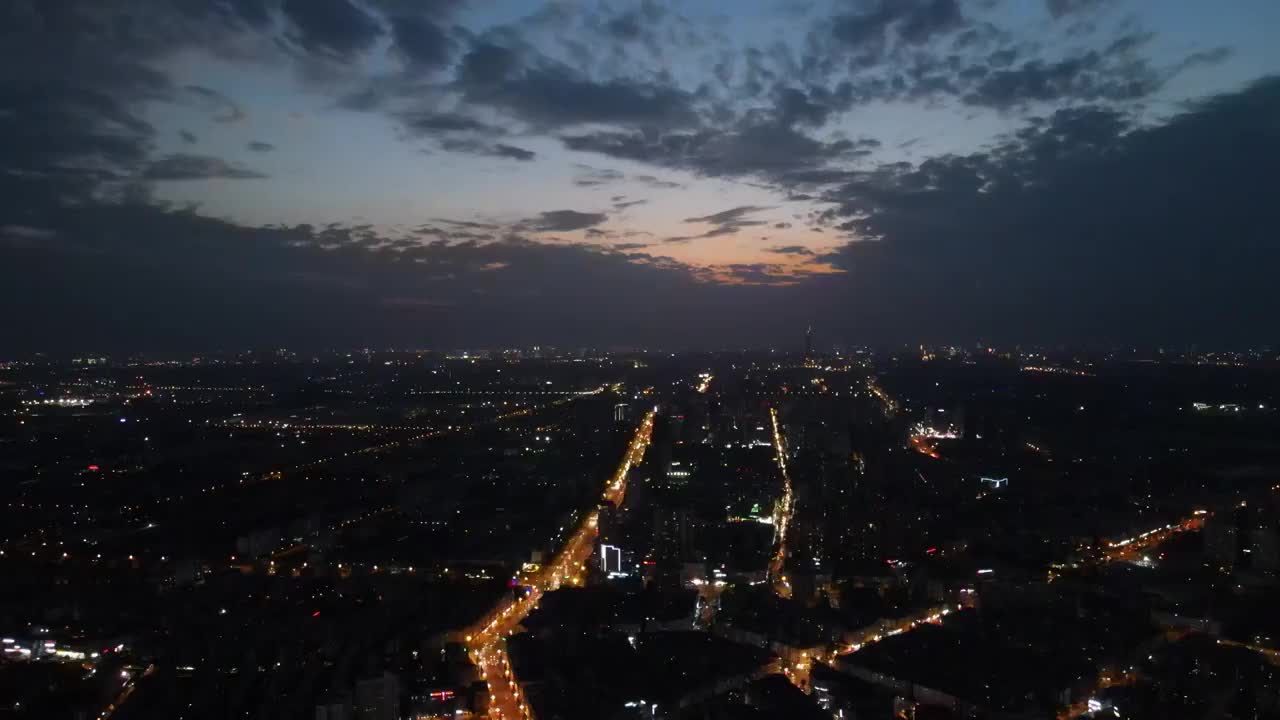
<point x="315" y="614"/>
<point x="94" y="468"/>
<point x="932" y="550"/>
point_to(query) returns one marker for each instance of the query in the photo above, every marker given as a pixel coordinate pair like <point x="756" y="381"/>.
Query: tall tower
<point x="808" y="342"/>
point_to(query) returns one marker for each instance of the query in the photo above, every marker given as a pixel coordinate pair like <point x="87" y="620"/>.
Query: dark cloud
<point x="422" y="42"/>
<point x="472" y="224"/>
<point x="332" y="27"/>
<point x="1009" y="77"/>
<point x="790" y="250"/>
<point x="1072" y="227"/>
<point x="768" y="150"/>
<point x="254" y="13"/>
<point x="1089" y="77"/>
<point x="188" y="137"/>
<point x="204" y="284"/>
<point x="23" y="235"/>
<point x="882" y="23"/>
<point x="812" y="107"/>
<point x="487" y="65"/>
<point x="548" y="94"/>
<point x="931" y="51"/>
<point x="782" y="141"/>
<point x="261" y="147"/>
<point x="1205" y="57"/>
<point x="656" y="183"/>
<point x="430" y="8"/>
<point x="222" y="108"/>
<point x="1083" y="226"/>
<point x="727" y="216"/>
<point x="589" y="176"/>
<point x="436" y="122"/>
<point x="477" y="147"/>
<point x="564" y="221"/>
<point x="726" y="222"/>
<point x="626" y="26"/>
<point x="758" y="273"/>
<point x="75" y="76"/>
<point x="594" y="177"/>
<point x="1062" y="8"/>
<point x="182" y="166"/>
<point x="512" y="152"/>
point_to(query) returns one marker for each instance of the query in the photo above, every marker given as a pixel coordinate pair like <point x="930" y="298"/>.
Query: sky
<point x="219" y="174"/>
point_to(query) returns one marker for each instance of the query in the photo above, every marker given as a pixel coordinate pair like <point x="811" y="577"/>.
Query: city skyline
<point x="639" y="359"/>
<point x="956" y="533"/>
<point x="194" y="176"/>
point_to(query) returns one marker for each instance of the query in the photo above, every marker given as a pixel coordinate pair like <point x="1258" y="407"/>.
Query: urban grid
<point x="639" y="360"/>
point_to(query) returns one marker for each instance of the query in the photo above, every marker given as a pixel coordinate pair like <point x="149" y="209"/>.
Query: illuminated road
<point x="881" y="631"/>
<point x="797" y="664"/>
<point x="782" y="513"/>
<point x="397" y="444"/>
<point x="887" y="403"/>
<point x="486" y="641"/>
<point x="924" y="446"/>
<point x="1131" y="549"/>
<point x="126" y="690"/>
<point x="1272" y="656"/>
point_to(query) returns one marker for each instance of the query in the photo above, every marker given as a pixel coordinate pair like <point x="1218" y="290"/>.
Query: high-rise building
<point x="620" y="412"/>
<point x="1222" y="538"/>
<point x="611" y="561"/>
<point x="679" y="472"/>
<point x="808" y="342"/>
<point x="334" y="708"/>
<point x="1264" y="550"/>
<point x="378" y="698"/>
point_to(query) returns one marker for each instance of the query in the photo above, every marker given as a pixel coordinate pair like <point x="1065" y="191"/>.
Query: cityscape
<point x="639" y="360"/>
<point x="950" y="532"/>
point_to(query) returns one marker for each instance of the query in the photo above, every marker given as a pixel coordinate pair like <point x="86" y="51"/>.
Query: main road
<point x="782" y="513"/>
<point x="486" y="639"/>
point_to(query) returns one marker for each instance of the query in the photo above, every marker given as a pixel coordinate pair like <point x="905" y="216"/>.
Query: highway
<point x="887" y="403"/>
<point x="129" y="684"/>
<point x="797" y="664"/>
<point x="925" y="446"/>
<point x="486" y="640"/>
<point x="419" y="437"/>
<point x="875" y="633"/>
<point x="782" y="513"/>
<point x="1131" y="549"/>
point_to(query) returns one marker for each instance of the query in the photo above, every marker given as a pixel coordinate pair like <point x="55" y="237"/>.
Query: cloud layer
<point x="715" y="187"/>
